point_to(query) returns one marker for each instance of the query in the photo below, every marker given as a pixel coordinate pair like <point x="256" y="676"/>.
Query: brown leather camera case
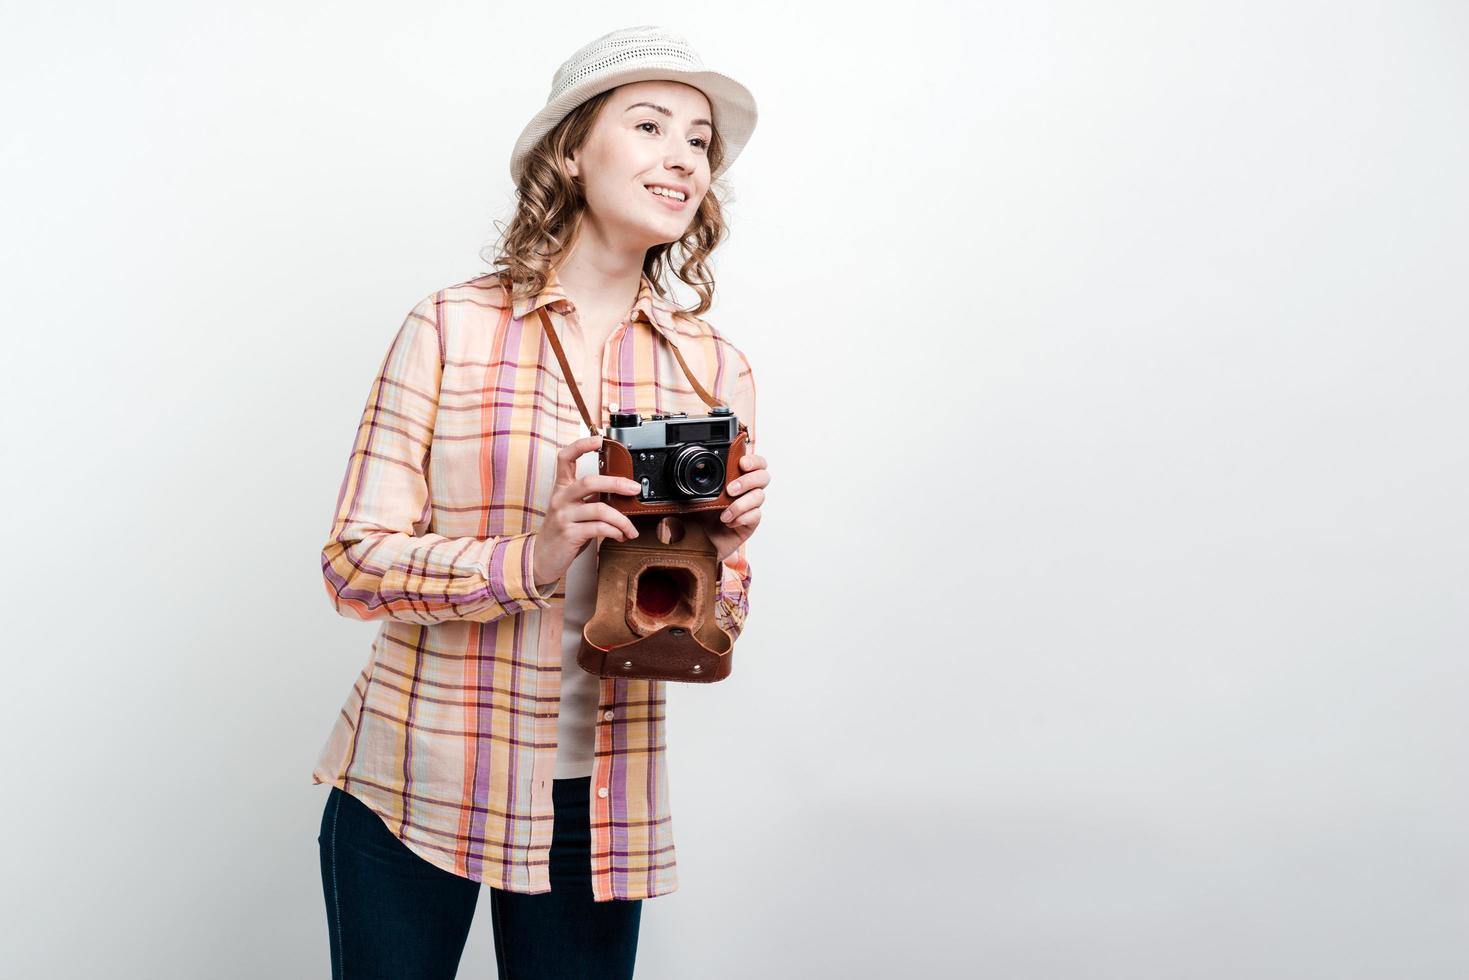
<point x="655" y="606"/>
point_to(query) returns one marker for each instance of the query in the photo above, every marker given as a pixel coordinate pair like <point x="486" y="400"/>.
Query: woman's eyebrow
<point x="668" y="112"/>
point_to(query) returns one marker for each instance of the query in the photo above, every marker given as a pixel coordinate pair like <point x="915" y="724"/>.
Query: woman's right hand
<point x="571" y="521"/>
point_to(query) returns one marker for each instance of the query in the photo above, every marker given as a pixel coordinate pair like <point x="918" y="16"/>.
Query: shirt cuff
<point x="508" y="572"/>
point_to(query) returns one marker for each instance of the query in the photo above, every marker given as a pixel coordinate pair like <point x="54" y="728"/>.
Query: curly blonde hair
<point x="550" y="204"/>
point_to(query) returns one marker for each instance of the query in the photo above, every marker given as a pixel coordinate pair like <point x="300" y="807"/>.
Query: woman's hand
<point x="738" y="521"/>
<point x="571" y="521"/>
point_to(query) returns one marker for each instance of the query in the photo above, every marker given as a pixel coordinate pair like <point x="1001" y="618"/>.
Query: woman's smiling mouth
<point x="667" y="197"/>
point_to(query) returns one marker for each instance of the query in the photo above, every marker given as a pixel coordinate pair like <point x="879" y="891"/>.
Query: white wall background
<point x="1109" y="617"/>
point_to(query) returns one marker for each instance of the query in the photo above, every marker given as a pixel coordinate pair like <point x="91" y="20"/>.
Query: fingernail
<point x="735" y="486"/>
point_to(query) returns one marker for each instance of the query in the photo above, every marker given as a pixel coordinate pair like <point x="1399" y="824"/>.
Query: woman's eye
<point x="703" y="143"/>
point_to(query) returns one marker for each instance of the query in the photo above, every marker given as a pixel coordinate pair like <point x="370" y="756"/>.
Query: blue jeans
<point x="391" y="914"/>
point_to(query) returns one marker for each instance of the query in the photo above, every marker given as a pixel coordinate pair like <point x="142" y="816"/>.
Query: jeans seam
<point x="336" y="894"/>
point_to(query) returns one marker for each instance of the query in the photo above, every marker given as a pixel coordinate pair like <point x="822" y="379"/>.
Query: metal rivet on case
<point x="627" y="665"/>
<point x="698" y="667"/>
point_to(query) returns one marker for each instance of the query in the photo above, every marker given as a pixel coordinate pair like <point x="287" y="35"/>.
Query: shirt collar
<point x="653" y="308"/>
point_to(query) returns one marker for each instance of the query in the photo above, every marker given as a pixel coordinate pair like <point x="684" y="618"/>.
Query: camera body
<point x="683" y="462"/>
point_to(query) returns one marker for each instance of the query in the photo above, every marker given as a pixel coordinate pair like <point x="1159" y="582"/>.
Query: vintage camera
<point x="657" y="593"/>
<point x="683" y="462"/>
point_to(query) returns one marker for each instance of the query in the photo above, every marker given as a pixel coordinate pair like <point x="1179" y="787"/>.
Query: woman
<point x="472" y="749"/>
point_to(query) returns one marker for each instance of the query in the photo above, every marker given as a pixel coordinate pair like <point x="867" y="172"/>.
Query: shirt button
<point x="602" y="791"/>
<point x="607" y="715"/>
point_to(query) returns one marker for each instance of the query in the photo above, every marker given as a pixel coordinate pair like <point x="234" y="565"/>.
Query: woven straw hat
<point x="638" y="54"/>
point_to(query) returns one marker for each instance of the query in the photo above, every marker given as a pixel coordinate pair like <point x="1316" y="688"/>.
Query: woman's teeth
<point x="664" y="192"/>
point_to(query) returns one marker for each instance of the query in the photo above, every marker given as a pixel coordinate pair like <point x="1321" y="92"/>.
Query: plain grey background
<point x="1108" y="616"/>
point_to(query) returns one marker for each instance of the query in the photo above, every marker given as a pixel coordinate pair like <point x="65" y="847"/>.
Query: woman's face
<point x="654" y="132"/>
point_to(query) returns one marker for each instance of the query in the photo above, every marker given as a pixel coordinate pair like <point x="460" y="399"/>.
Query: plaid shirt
<point x="449" y="731"/>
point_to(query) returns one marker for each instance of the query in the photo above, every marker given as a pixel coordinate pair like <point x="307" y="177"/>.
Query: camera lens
<point x="698" y="472"/>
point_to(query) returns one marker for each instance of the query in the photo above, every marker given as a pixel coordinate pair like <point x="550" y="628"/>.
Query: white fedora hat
<point x="639" y="54"/>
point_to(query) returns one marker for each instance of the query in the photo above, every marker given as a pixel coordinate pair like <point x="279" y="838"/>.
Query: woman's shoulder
<point x="466" y="302"/>
<point x="697" y="327"/>
<point x="483" y="290"/>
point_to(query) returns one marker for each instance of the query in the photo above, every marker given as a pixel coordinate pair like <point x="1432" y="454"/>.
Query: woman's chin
<point x="653" y="237"/>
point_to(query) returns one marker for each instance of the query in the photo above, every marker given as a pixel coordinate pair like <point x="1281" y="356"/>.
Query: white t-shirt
<point x="580" y="689"/>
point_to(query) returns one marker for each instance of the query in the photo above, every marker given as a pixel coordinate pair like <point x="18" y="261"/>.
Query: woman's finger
<point x="601" y="529"/>
<point x="595" y="511"/>
<point x="566" y="458"/>
<point x="759" y="478"/>
<point x="599" y="482"/>
<point x="746" y="501"/>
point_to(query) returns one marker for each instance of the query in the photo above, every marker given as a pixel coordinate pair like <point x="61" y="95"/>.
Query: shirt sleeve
<point x="380" y="562"/>
<point x="733" y="603"/>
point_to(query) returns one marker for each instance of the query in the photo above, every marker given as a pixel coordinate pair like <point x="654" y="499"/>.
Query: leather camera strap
<point x="576" y="389"/>
<point x="566" y="373"/>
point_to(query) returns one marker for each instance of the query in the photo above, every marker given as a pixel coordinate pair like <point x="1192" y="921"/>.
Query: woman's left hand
<point x="733" y="525"/>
